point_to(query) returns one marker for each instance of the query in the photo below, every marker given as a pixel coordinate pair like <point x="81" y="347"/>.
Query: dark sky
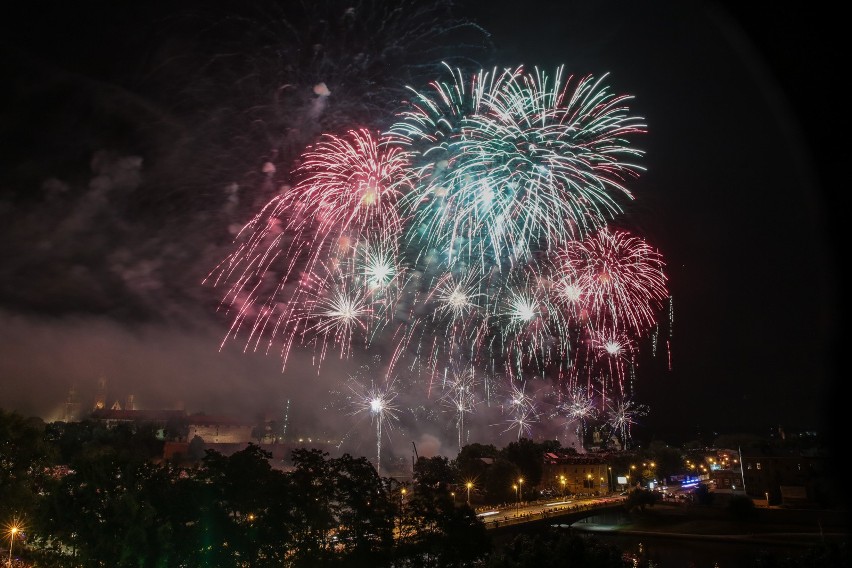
<point x="121" y="130"/>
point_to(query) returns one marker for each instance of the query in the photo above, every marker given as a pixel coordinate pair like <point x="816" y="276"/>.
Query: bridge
<point x="545" y="517"/>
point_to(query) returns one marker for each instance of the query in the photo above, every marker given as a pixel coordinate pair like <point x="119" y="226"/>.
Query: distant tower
<point x="130" y="403"/>
<point x="100" y="399"/>
<point x="72" y="406"/>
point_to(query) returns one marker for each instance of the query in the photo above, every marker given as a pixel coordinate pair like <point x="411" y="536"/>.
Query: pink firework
<point x="613" y="280"/>
<point x="347" y="190"/>
<point x="300" y="266"/>
<point x="613" y="353"/>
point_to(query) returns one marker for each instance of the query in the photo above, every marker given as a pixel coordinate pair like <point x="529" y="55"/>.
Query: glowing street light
<point x="468" y="485"/>
<point x="562" y="481"/>
<point x="521" y="488"/>
<point x="517" y="496"/>
<point x="13" y="531"/>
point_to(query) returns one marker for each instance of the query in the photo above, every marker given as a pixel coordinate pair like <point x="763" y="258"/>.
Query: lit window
<point x="757" y="465"/>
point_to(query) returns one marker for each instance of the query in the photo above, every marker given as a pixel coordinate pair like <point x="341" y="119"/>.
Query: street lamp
<point x="521" y="488"/>
<point x="517" y="498"/>
<point x="453" y="493"/>
<point x="562" y="481"/>
<point x="13" y="531"/>
<point x="468" y="485"/>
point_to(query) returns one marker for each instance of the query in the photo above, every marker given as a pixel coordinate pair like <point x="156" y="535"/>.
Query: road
<point x="533" y="511"/>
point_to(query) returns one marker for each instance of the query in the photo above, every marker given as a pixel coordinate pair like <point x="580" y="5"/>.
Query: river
<point x="676" y="551"/>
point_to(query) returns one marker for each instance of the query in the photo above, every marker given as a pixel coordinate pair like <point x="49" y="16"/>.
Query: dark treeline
<point x="85" y="495"/>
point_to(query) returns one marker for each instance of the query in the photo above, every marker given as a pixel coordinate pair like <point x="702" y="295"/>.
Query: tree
<point x="438" y="533"/>
<point x="703" y="495"/>
<point x="102" y="513"/>
<point x="469" y="463"/>
<point x="435" y="472"/>
<point x="742" y="508"/>
<point x="499" y="479"/>
<point x="315" y="507"/>
<point x="365" y="512"/>
<point x="556" y="549"/>
<point x="528" y="456"/>
<point x="195" y="450"/>
<point x="641" y="498"/>
<point x="25" y="457"/>
<point x="669" y="461"/>
<point x="246" y="497"/>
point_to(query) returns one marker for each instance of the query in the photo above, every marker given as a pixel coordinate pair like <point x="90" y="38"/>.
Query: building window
<point x="758" y="465"/>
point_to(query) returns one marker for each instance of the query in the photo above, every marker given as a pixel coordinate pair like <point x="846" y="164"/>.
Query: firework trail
<point x="377" y="400"/>
<point x="579" y="409"/>
<point x="522" y="409"/>
<point x="613" y="352"/>
<point x="460" y="397"/>
<point x="622" y="415"/>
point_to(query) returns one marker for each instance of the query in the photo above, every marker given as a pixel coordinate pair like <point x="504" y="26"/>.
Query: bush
<point x="742" y="508"/>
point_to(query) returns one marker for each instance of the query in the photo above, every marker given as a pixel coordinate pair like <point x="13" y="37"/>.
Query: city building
<point x="569" y="474"/>
<point x="111" y="417"/>
<point x="791" y="480"/>
<point x="218" y="429"/>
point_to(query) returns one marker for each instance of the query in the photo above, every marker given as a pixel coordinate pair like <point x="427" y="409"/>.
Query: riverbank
<point x="768" y="526"/>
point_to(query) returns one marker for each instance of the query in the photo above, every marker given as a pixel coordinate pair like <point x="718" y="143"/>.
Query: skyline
<point x="732" y="197"/>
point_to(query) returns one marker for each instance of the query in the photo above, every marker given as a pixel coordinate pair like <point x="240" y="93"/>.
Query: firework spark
<point x="522" y="410"/>
<point x="579" y="409"/>
<point x="516" y="159"/>
<point x="622" y="415"/>
<point x="616" y="278"/>
<point x="377" y="400"/>
<point x="460" y="397"/>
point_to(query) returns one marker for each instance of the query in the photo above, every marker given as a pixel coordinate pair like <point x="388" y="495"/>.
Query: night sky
<point x="121" y="132"/>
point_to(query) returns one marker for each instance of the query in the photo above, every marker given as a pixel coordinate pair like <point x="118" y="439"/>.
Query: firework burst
<point x="377" y="400"/>
<point x="615" y="278"/>
<point x="622" y="415"/>
<point x="460" y="397"/>
<point x="579" y="409"/>
<point x="518" y="159"/>
<point x="522" y="410"/>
